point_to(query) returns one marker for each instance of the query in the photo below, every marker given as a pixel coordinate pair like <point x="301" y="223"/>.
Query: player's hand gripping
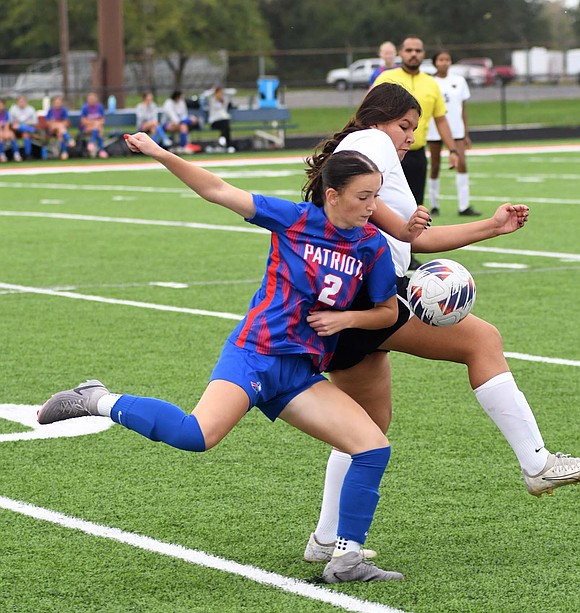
<point x="143" y="143"/>
<point x="510" y="217"/>
<point x="327" y="323"/>
<point x="419" y="221"/>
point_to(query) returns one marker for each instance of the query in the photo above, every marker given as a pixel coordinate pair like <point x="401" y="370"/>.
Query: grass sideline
<point x="454" y="515"/>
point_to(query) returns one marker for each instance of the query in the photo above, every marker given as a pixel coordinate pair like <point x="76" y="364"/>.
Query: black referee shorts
<point x="355" y="344"/>
<point x="415" y="168"/>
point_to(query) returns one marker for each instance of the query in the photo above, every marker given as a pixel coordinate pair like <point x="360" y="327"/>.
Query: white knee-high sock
<point x="462" y="184"/>
<point x="433" y="193"/>
<point x="508" y="408"/>
<point x="336" y="469"/>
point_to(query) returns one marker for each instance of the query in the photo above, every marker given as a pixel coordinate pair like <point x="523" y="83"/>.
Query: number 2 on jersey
<point x="328" y="293"/>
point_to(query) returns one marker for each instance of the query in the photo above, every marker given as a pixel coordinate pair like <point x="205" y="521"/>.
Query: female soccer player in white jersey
<point x="455" y="92"/>
<point x="320" y="253"/>
<point x="382" y="130"/>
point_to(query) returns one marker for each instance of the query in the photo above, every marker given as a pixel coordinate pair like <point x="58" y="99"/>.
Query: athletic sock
<point x="95" y="136"/>
<point x="27" y="145"/>
<point x="106" y="403"/>
<point x="159" y="421"/>
<point x="161" y="133"/>
<point x="508" y="408"/>
<point x="345" y="546"/>
<point x="433" y="193"/>
<point x="462" y="184"/>
<point x="182" y="139"/>
<point x="360" y="493"/>
<point x="336" y="469"/>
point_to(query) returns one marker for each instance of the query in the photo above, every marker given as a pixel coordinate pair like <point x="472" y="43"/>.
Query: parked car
<point x="358" y="74"/>
<point x="494" y="75"/>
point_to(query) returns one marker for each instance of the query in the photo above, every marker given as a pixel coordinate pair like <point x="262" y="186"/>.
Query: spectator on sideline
<point x="274" y="357"/>
<point x="177" y="120"/>
<point x="24" y="123"/>
<point x="57" y="125"/>
<point x="387" y="53"/>
<point x="382" y="130"/>
<point x="7" y="135"/>
<point x="148" y="120"/>
<point x="219" y="117"/>
<point x="455" y="93"/>
<point x="93" y="125"/>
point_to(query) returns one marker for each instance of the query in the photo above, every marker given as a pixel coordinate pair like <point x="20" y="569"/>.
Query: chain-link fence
<point x="295" y="69"/>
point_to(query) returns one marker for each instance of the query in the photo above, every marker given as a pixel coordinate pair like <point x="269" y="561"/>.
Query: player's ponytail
<point x="382" y="104"/>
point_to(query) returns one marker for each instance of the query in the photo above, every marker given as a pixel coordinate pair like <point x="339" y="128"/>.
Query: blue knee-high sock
<point x="182" y="139"/>
<point x="1" y="146"/>
<point x="14" y="146"/>
<point x="95" y="136"/>
<point x="360" y="493"/>
<point x="159" y="421"/>
<point x="27" y="145"/>
<point x="160" y="132"/>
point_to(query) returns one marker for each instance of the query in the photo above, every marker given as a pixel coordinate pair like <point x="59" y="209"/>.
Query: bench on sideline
<point x="268" y="124"/>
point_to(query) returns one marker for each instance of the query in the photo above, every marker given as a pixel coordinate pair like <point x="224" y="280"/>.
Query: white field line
<point x="141" y="164"/>
<point x="144" y="164"/>
<point x="130" y="220"/>
<point x="199" y="558"/>
<point x="162" y="307"/>
<point x="140" y="305"/>
<point x="184" y="192"/>
<point x="253" y="230"/>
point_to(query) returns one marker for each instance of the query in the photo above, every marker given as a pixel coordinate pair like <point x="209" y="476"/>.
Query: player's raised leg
<point x="220" y="408"/>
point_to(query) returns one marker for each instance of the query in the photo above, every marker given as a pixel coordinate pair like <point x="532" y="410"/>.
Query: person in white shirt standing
<point x="455" y="92"/>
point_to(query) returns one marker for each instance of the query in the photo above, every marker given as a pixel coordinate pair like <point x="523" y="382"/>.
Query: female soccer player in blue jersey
<point x="382" y="130"/>
<point x="320" y="253"/>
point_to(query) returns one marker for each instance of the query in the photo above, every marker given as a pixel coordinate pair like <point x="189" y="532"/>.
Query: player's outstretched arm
<point x="387" y="220"/>
<point x="202" y="182"/>
<point x="507" y="218"/>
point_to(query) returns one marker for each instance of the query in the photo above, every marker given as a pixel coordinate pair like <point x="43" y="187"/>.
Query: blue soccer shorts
<point x="271" y="381"/>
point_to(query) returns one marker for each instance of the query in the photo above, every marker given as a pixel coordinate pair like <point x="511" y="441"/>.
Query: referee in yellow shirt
<point x="428" y="95"/>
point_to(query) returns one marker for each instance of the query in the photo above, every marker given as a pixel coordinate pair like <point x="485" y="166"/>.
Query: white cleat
<point x="317" y="552"/>
<point x="560" y="470"/>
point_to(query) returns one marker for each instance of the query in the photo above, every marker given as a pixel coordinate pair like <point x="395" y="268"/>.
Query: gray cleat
<point x="353" y="566"/>
<point x="78" y="402"/>
<point x="560" y="470"/>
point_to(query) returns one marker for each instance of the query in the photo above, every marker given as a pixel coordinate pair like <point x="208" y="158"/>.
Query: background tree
<point x="176" y="30"/>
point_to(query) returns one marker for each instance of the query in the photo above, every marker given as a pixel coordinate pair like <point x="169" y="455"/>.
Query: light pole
<point x="64" y="44"/>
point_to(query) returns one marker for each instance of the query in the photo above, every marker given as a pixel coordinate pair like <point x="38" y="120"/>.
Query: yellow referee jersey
<point x="428" y="95"/>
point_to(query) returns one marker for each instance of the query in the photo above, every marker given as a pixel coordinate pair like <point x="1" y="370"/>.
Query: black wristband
<point x="454" y="151"/>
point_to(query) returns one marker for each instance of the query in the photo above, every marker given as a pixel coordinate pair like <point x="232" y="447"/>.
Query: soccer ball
<point x="441" y="292"/>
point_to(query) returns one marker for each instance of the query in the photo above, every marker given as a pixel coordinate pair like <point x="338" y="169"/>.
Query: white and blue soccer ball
<point x="441" y="292"/>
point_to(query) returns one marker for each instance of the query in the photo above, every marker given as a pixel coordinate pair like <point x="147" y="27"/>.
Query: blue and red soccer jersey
<point x="312" y="265"/>
<point x="92" y="111"/>
<point x="57" y="113"/>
